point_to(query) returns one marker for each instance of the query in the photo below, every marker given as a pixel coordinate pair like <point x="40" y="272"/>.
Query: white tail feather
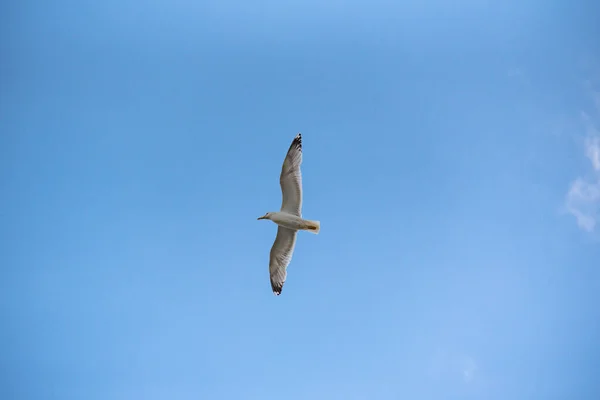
<point x="313" y="226"/>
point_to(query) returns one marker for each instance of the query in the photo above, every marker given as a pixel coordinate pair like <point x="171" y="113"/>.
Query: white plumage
<point x="289" y="218"/>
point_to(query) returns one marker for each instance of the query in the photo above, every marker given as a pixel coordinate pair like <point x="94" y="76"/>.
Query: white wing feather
<point x="291" y="179"/>
<point x="280" y="257"/>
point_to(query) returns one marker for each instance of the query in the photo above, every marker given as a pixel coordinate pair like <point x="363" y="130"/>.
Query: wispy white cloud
<point x="452" y="366"/>
<point x="583" y="201"/>
<point x="592" y="151"/>
<point x="583" y="197"/>
<point x="469" y="368"/>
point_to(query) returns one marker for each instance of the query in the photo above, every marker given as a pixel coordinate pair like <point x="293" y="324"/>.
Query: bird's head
<point x="266" y="216"/>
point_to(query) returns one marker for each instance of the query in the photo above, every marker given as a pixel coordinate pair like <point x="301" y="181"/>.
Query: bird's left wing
<point x="280" y="257"/>
<point x="291" y="179"/>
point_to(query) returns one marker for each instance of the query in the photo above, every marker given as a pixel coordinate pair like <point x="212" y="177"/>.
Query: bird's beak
<point x="263" y="217"/>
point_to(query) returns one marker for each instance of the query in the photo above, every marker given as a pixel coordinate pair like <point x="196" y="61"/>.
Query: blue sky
<point x="450" y="153"/>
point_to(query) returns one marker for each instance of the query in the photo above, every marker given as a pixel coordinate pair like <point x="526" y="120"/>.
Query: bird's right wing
<point x="291" y="179"/>
<point x="280" y="257"/>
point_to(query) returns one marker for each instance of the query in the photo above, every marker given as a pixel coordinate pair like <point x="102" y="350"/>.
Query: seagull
<point x="289" y="218"/>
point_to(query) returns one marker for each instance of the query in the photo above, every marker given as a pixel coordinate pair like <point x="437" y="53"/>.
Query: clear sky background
<point x="451" y="153"/>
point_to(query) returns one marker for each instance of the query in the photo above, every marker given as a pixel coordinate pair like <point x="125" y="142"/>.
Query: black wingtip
<point x="277" y="289"/>
<point x="297" y="142"/>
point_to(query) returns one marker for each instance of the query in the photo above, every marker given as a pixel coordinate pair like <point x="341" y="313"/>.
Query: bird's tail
<point x="312" y="226"/>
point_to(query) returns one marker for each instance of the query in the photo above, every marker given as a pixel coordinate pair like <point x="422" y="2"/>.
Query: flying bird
<point x="289" y="218"/>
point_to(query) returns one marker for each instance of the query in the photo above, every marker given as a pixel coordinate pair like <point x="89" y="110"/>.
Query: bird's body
<point x="293" y="222"/>
<point x="289" y="218"/>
